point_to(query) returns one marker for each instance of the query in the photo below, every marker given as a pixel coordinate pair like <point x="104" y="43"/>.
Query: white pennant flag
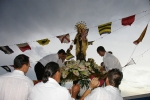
<point x="64" y="38"/>
<point x="131" y="62"/>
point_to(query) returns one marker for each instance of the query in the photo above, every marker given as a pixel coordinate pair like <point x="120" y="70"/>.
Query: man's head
<point x="21" y="62"/>
<point x="101" y="50"/>
<point x="64" y="57"/>
<point x="114" y="77"/>
<point x="51" y="70"/>
<point x="61" y="53"/>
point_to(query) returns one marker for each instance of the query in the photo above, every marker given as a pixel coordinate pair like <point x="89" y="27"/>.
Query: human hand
<point x="94" y="83"/>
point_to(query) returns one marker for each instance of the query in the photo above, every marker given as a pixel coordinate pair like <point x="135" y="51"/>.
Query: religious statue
<point x="81" y="40"/>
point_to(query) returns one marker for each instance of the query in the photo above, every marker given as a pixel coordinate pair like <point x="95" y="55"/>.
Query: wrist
<point x="90" y="88"/>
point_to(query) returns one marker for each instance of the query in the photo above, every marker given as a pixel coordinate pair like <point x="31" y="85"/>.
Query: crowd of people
<point x="17" y="86"/>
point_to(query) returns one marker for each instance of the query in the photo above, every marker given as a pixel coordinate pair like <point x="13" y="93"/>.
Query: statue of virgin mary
<point x="81" y="40"/>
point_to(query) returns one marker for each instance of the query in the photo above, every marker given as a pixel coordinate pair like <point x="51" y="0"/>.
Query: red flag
<point x="11" y="65"/>
<point x="64" y="38"/>
<point x="141" y="36"/>
<point x="128" y="20"/>
<point x="24" y="46"/>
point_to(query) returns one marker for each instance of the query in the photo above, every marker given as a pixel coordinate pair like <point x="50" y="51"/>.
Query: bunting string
<point x="129" y="15"/>
<point x="121" y="27"/>
<point x="139" y="40"/>
<point x="141" y="55"/>
<point x="91" y="27"/>
<point x="20" y="45"/>
<point x="131" y="55"/>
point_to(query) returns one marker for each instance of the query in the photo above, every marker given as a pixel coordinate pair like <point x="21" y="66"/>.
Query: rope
<point x="91" y="27"/>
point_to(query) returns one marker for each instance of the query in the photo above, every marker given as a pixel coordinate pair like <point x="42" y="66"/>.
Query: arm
<point x="108" y="63"/>
<point x="93" y="84"/>
<point x="87" y="92"/>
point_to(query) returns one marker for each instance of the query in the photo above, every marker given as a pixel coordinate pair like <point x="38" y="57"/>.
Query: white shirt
<point x="104" y="93"/>
<point x="110" y="62"/>
<point x="60" y="63"/>
<point x="50" y="90"/>
<point x="15" y="86"/>
<point x="49" y="58"/>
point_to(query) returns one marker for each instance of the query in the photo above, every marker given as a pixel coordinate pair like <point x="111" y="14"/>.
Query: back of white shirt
<point x="106" y="93"/>
<point x="50" y="90"/>
<point x="15" y="86"/>
<point x="110" y="62"/>
<point x="50" y="58"/>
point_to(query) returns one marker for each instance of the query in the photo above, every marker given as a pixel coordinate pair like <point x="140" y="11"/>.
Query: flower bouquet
<point x="81" y="71"/>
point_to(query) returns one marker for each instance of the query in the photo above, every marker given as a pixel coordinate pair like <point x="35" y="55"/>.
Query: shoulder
<point x="17" y="78"/>
<point x="24" y="79"/>
<point x="62" y="89"/>
<point x="6" y="74"/>
<point x="47" y="56"/>
<point x="63" y="93"/>
<point x="54" y="55"/>
<point x="109" y="56"/>
<point x="97" y="94"/>
<point x="29" y="80"/>
<point x="99" y="89"/>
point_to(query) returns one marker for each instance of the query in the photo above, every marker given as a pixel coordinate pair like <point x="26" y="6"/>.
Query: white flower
<point x="81" y="67"/>
<point x="70" y="66"/>
<point x="85" y="73"/>
<point x="90" y="69"/>
<point x="87" y="64"/>
<point x="76" y="72"/>
<point x="64" y="74"/>
<point x="75" y="64"/>
<point x="66" y="68"/>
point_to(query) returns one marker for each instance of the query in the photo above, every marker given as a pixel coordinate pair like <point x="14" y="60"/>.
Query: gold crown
<point x="81" y="25"/>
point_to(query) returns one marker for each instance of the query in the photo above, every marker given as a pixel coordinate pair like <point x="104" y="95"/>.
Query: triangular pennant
<point x="131" y="62"/>
<point x="128" y="20"/>
<point x="43" y="42"/>
<point x="69" y="56"/>
<point x="6" y="49"/>
<point x="90" y="42"/>
<point x="24" y="46"/>
<point x="105" y="28"/>
<point x="64" y="38"/>
<point x="136" y="42"/>
<point x="6" y="68"/>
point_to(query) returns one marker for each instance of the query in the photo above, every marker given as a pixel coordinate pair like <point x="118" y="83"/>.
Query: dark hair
<point x="50" y="69"/>
<point x="110" y="52"/>
<point x="61" y="51"/>
<point x="20" y="60"/>
<point x="101" y="48"/>
<point x="115" y="76"/>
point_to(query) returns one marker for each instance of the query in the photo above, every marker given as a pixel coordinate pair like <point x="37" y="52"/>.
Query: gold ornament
<point x="80" y="25"/>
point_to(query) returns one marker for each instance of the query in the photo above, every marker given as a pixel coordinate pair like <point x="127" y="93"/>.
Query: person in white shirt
<point x="110" y="61"/>
<point x="39" y="67"/>
<point x="110" y="92"/>
<point x="49" y="88"/>
<point x="15" y="85"/>
<point x="61" y="62"/>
